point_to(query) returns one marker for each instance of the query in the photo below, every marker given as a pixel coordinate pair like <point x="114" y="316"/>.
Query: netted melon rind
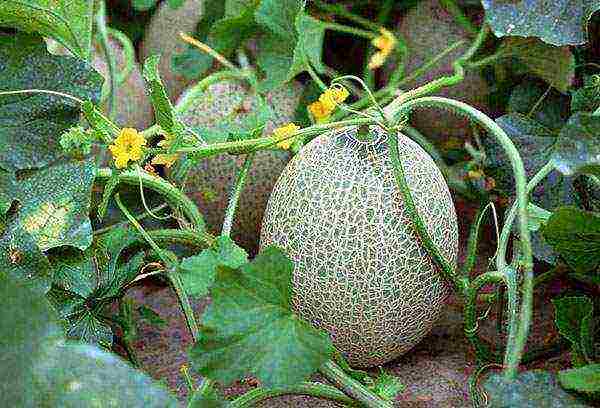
<point x="210" y="183"/>
<point x="360" y="271"/>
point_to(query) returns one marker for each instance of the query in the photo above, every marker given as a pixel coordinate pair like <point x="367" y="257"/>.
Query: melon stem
<point x="236" y="192"/>
<point x="351" y="387"/>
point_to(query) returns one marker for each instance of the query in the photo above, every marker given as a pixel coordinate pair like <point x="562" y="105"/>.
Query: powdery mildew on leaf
<point x="360" y="271"/>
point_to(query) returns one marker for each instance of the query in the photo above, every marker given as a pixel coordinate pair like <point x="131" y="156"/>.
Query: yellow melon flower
<point x="385" y="43"/>
<point x="165" y="159"/>
<point x="324" y="107"/>
<point x="127" y="146"/>
<point x="286" y="135"/>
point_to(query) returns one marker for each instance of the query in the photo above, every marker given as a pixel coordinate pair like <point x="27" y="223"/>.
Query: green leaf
<point x="537" y="217"/>
<point x="163" y="109"/>
<point x="8" y="191"/>
<point x="85" y="282"/>
<point x="552" y="112"/>
<point x="387" y="386"/>
<point x="21" y="259"/>
<point x="587" y="98"/>
<point x="67" y="21"/>
<point x="569" y="313"/>
<point x="311" y="35"/>
<point x="198" y="272"/>
<point x="559" y="22"/>
<point x="72" y="373"/>
<point x="531" y="389"/>
<point x="578" y="147"/>
<point x="39" y="369"/>
<point x="229" y="254"/>
<point x="278" y="16"/>
<point x="275" y="58"/>
<point x="250" y="328"/>
<point x="555" y="65"/>
<point x="575" y="235"/>
<point x="229" y="33"/>
<point x="582" y="379"/>
<point x="535" y="144"/>
<point x="30" y="124"/>
<point x="175" y="4"/>
<point x="58" y="216"/>
<point x="26" y="320"/>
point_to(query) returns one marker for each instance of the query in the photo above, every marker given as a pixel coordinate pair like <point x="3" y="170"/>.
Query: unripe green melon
<point x="210" y="183"/>
<point x="428" y="30"/>
<point x="162" y="37"/>
<point x="361" y="273"/>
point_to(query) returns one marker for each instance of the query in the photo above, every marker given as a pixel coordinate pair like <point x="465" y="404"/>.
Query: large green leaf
<point x="85" y="282"/>
<point x="578" y="147"/>
<point x="582" y="379"/>
<point x="536" y="144"/>
<point x="198" y="271"/>
<point x="555" y="65"/>
<point x="57" y="216"/>
<point x="531" y="389"/>
<point x="250" y="327"/>
<point x="31" y="124"/>
<point x="575" y="235"/>
<point x="587" y="98"/>
<point x="279" y="16"/>
<point x="21" y="259"/>
<point x="557" y="22"/>
<point x="25" y="320"/>
<point x="67" y="21"/>
<point x="552" y="113"/>
<point x="569" y="314"/>
<point x="39" y="370"/>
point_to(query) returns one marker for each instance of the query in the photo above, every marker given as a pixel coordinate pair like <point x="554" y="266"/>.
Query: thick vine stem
<point x="352" y="387"/>
<point x="517" y="333"/>
<point x="253" y="397"/>
<point x="253" y="145"/>
<point x="400" y="107"/>
<point x="235" y="194"/>
<point x="482" y="350"/>
<point x="176" y="198"/>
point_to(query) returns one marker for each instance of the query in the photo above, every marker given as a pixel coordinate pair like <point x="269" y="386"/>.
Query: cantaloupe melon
<point x="210" y="183"/>
<point x="428" y="30"/>
<point x="361" y="273"/>
<point x="162" y="37"/>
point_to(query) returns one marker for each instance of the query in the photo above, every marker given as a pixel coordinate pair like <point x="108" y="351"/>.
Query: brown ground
<point x="435" y="372"/>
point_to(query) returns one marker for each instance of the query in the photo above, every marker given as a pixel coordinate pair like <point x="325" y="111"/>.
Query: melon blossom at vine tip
<point x="210" y="182"/>
<point x="361" y="273"/>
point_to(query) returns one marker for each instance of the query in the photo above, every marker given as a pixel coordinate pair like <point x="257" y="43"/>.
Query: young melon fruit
<point x="361" y="273"/>
<point x="428" y="30"/>
<point x="210" y="183"/>
<point x="162" y="37"/>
